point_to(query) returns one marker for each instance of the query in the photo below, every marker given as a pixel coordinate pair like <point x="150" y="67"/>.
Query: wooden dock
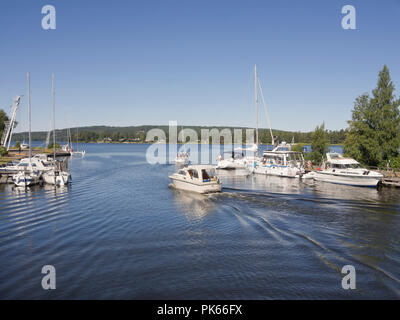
<point x="391" y="182"/>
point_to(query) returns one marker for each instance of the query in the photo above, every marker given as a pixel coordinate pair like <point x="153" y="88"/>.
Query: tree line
<point x="138" y="133"/>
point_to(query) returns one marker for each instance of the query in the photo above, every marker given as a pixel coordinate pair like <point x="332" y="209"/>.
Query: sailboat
<point x="281" y="161"/>
<point x="236" y="159"/>
<point x="28" y="176"/>
<point x="56" y="176"/>
<point x="82" y="152"/>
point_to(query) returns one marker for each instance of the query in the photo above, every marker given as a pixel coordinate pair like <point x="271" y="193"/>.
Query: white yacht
<point x="24" y="146"/>
<point x="281" y="161"/>
<point x="196" y="178"/>
<point x="28" y="175"/>
<point x="341" y="170"/>
<point x="56" y="177"/>
<point x="24" y="164"/>
<point x="182" y="158"/>
<point x="235" y="160"/>
<point x="26" y="178"/>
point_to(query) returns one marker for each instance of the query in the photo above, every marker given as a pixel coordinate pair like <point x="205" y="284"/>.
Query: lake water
<point x="119" y="232"/>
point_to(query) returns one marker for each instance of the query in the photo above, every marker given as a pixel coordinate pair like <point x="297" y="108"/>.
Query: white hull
<point x="280" y="171"/>
<point x="362" y="181"/>
<point x="82" y="153"/>
<point x="231" y="164"/>
<point x="60" y="179"/>
<point x="25" y="179"/>
<point x="181" y="161"/>
<point x="206" y="187"/>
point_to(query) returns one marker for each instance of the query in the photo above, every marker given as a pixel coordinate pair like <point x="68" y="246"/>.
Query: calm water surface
<point x="119" y="232"/>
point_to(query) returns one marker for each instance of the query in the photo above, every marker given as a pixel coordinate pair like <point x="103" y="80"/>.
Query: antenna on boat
<point x="256" y="100"/>
<point x="266" y="113"/>
<point x="54" y="116"/>
<point x="29" y="118"/>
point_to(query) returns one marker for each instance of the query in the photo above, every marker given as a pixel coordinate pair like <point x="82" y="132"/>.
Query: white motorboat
<point x="196" y="178"/>
<point x="36" y="164"/>
<point x="281" y="161"/>
<point x="236" y="160"/>
<point x="56" y="177"/>
<point x="26" y="178"/>
<point x="182" y="158"/>
<point x="341" y="170"/>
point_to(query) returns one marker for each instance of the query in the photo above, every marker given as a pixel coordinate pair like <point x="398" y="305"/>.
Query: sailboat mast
<point x="54" y="116"/>
<point x="29" y="117"/>
<point x="256" y="100"/>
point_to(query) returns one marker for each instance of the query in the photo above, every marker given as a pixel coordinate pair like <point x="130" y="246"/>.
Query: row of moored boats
<point x="39" y="168"/>
<point x="280" y="161"/>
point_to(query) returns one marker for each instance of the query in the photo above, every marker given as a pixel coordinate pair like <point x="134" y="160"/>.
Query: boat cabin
<point x="199" y="173"/>
<point x="337" y="161"/>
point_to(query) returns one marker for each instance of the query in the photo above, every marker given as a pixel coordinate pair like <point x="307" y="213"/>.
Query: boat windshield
<point x="208" y="175"/>
<point x="352" y="166"/>
<point x="346" y="166"/>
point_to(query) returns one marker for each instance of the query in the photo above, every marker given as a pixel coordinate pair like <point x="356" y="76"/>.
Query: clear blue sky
<point x="147" y="62"/>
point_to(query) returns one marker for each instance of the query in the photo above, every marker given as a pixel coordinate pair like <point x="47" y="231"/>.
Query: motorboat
<point x="37" y="164"/>
<point x="342" y="170"/>
<point x="26" y="178"/>
<point x="56" y="177"/>
<point x="234" y="160"/>
<point x="24" y="146"/>
<point x="196" y="178"/>
<point x="281" y="161"/>
<point x="182" y="158"/>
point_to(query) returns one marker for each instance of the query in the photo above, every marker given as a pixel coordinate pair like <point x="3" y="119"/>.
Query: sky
<point x="123" y="63"/>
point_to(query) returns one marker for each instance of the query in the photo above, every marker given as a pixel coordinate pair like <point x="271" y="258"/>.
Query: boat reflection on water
<point x="334" y="191"/>
<point x="194" y="206"/>
<point x="276" y="184"/>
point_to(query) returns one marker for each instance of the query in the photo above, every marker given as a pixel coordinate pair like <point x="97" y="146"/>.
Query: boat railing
<point x="387" y="172"/>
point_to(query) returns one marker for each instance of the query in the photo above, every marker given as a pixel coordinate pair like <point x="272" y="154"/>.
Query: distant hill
<point x="138" y="134"/>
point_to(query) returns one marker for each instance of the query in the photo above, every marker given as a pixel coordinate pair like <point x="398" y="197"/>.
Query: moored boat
<point x="56" y="177"/>
<point x="236" y="160"/>
<point x="26" y="178"/>
<point x="341" y="170"/>
<point x="281" y="161"/>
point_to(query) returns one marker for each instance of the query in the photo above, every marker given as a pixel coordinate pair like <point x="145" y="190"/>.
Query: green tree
<point x="373" y="136"/>
<point x="18" y="146"/>
<point x="319" y="144"/>
<point x="3" y="119"/>
<point x="3" y="151"/>
<point x="50" y="146"/>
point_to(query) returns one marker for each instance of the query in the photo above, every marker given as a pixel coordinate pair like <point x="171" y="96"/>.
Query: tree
<point x="373" y="136"/>
<point x="3" y="119"/>
<point x="18" y="146"/>
<point x="319" y="144"/>
<point x="50" y="146"/>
